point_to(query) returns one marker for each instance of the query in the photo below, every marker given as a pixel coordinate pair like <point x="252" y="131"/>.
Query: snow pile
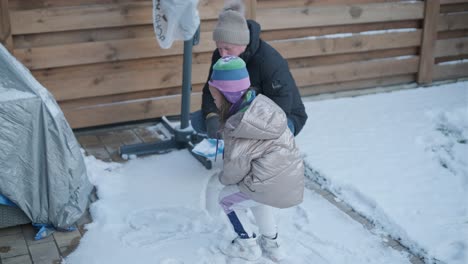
<point x="400" y="159"/>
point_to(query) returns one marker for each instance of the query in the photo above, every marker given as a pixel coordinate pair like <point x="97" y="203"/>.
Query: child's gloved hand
<point x="212" y="125"/>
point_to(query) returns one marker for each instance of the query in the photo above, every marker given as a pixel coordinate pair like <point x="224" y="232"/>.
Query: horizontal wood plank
<point x="82" y="71"/>
<point x="122" y="82"/>
<point x="127" y="110"/>
<point x="263" y="4"/>
<point x="447" y="71"/>
<point x="317" y="61"/>
<point x="94" y="35"/>
<point x="452" y="21"/>
<point x="271" y="19"/>
<point x="292" y="33"/>
<point x="452" y="34"/>
<point x="355" y="71"/>
<point x="448" y="2"/>
<point x="451" y="47"/>
<point x="104" y="100"/>
<point x="350" y="43"/>
<point x="451" y="58"/>
<point x="103" y="51"/>
<point x="37" y="4"/>
<point x="379" y="83"/>
<point x="454" y="8"/>
<point x="82" y="36"/>
<point x="54" y="19"/>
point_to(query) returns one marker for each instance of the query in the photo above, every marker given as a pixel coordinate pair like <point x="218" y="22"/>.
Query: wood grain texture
<point x="431" y="15"/>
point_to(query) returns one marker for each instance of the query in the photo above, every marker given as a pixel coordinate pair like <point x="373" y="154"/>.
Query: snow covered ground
<point x="400" y="159"/>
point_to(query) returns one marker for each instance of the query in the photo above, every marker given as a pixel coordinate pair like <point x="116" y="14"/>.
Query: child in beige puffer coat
<point x="262" y="169"/>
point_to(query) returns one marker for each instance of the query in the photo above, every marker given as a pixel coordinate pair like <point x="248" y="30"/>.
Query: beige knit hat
<point x="232" y="27"/>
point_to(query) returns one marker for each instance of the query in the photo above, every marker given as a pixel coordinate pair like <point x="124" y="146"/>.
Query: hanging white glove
<point x="174" y="20"/>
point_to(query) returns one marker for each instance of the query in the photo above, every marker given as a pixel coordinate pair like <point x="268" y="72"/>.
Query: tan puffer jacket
<point x="260" y="155"/>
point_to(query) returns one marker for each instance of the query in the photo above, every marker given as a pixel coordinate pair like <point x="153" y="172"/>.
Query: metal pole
<point x="186" y="84"/>
<point x="187" y="79"/>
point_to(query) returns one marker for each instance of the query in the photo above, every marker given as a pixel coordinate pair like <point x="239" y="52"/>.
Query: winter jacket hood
<point x="254" y="44"/>
<point x="263" y="120"/>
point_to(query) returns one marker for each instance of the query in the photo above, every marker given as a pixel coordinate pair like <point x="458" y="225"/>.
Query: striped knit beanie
<point x="230" y="77"/>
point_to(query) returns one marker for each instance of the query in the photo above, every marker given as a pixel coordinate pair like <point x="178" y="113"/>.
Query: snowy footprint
<point x="302" y="218"/>
<point x="150" y="227"/>
<point x="303" y="240"/>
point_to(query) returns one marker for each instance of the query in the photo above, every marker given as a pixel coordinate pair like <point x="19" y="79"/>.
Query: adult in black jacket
<point x="269" y="71"/>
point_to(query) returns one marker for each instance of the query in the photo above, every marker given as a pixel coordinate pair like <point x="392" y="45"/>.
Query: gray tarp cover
<point x="41" y="166"/>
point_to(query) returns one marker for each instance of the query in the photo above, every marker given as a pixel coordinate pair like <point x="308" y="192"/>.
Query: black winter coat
<point x="269" y="74"/>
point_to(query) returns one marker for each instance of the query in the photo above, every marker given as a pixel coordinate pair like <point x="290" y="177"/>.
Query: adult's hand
<point x="212" y="125"/>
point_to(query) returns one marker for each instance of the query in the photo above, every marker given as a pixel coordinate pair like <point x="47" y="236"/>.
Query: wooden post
<point x="429" y="38"/>
<point x="5" y="27"/>
<point x="251" y="6"/>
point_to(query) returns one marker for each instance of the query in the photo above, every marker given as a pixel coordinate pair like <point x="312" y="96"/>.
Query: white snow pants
<point x="235" y="204"/>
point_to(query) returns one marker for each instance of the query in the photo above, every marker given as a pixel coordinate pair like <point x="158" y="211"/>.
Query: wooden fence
<point x="101" y="61"/>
